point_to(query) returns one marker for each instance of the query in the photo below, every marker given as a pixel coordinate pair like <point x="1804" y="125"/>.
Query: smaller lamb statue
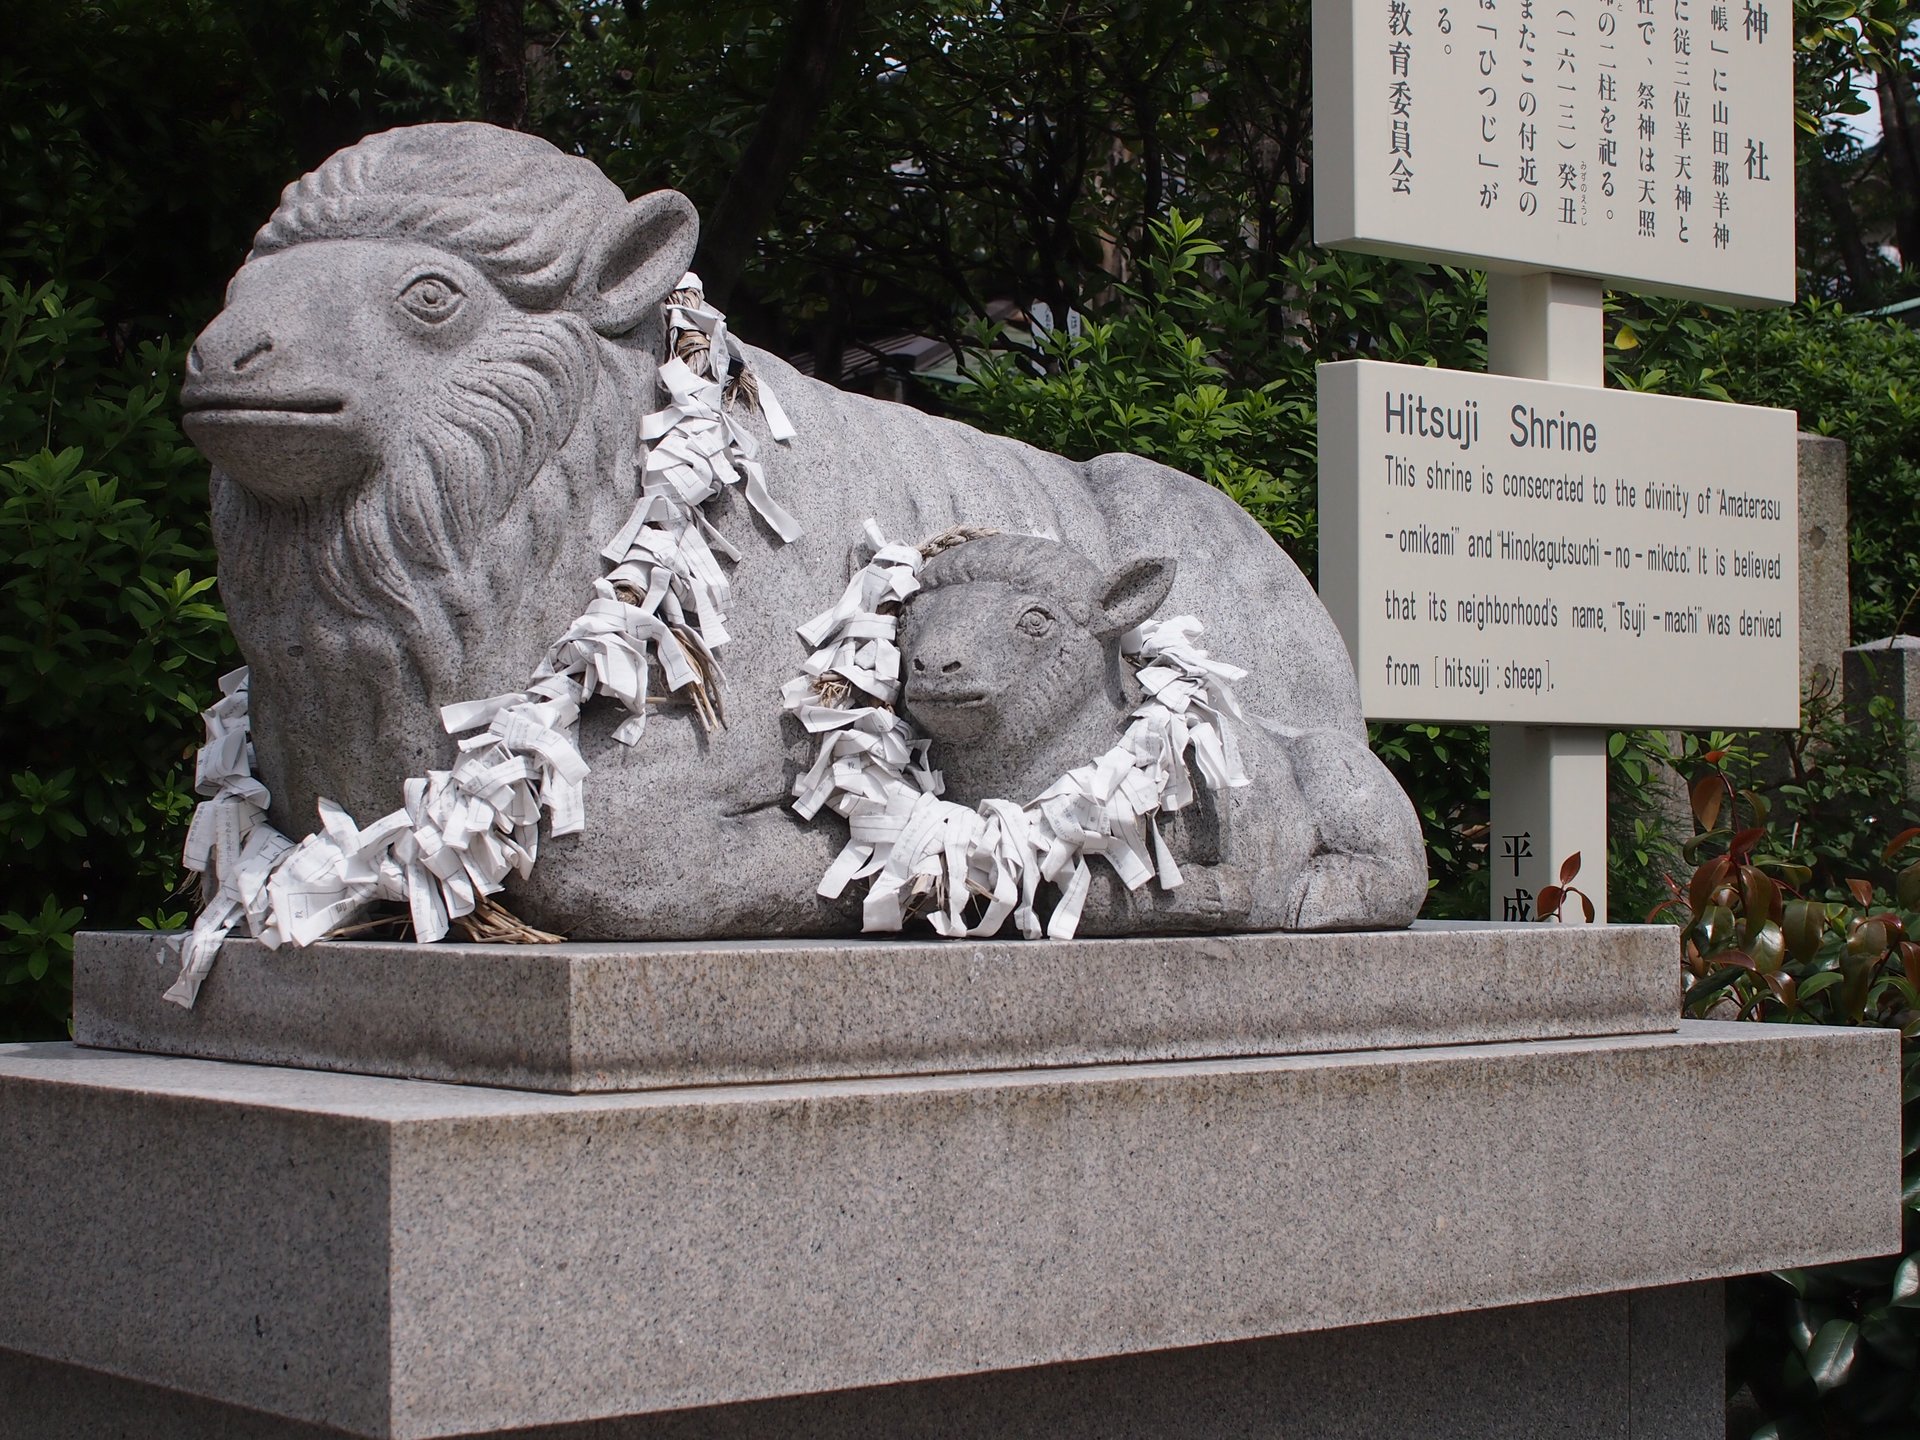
<point x="1057" y="722"/>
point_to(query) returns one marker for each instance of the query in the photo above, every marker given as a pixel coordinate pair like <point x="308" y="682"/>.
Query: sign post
<point x="1475" y="535"/>
<point x="1548" y="784"/>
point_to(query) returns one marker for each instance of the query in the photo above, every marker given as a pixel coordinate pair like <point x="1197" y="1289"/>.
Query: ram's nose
<point x="228" y="348"/>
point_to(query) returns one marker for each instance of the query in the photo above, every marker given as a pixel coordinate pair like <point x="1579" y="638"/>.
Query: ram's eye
<point x="1035" y="621"/>
<point x="432" y="298"/>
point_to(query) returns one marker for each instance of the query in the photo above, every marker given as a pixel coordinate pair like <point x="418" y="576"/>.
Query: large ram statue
<point x="431" y="403"/>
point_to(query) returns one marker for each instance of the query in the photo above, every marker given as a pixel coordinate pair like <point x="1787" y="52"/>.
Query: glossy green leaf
<point x="1803" y="925"/>
<point x="1906" y="887"/>
<point x="1804" y="1322"/>
<point x="1906" y="1282"/>
<point x="1767" y="947"/>
<point x="1830" y="1356"/>
<point x="1815" y="983"/>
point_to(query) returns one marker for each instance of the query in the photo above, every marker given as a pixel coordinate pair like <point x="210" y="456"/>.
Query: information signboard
<point x="1512" y="551"/>
<point x="1648" y="143"/>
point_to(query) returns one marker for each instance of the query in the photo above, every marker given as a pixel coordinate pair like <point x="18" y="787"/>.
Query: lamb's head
<point x="1011" y="653"/>
<point x="420" y="404"/>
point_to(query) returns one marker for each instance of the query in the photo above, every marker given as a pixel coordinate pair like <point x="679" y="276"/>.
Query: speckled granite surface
<point x="407" y="1259"/>
<point x="591" y="1017"/>
<point x="1646" y="1365"/>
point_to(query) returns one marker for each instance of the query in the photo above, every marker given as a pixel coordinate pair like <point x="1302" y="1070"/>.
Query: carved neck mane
<point x="440" y="578"/>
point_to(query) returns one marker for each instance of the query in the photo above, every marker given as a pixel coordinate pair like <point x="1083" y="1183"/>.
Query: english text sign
<point x="1511" y="551"/>
<point x="1648" y="143"/>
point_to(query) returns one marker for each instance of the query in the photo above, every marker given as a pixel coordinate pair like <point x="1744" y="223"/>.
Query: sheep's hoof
<point x="1348" y="892"/>
<point x="1207" y="893"/>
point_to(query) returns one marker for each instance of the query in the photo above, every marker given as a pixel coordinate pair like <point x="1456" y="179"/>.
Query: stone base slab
<point x="405" y="1259"/>
<point x="1647" y="1365"/>
<point x="584" y="1018"/>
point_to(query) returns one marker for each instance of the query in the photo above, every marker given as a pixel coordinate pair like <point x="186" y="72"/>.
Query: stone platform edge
<point x="602" y="1017"/>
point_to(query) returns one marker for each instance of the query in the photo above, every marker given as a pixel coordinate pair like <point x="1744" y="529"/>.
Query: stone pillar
<point x="1826" y="599"/>
<point x="1891" y="668"/>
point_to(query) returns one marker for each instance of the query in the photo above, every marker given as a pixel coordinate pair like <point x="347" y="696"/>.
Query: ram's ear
<point x="1132" y="591"/>
<point x="635" y="259"/>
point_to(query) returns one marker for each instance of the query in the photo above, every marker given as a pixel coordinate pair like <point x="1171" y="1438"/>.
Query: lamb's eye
<point x="1035" y="621"/>
<point x="432" y="298"/>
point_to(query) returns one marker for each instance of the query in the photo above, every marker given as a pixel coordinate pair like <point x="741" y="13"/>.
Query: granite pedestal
<point x="1491" y="1237"/>
<point x="638" y="1016"/>
<point x="1644" y="1366"/>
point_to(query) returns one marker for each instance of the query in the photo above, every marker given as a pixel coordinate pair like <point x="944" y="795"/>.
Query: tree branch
<point x="816" y="40"/>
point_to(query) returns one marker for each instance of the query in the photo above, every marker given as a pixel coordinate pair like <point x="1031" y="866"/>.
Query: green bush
<point x="108" y="641"/>
<point x="1804" y="908"/>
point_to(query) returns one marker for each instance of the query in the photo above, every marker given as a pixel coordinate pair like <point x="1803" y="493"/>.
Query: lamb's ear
<point x="635" y="259"/>
<point x="1133" y="591"/>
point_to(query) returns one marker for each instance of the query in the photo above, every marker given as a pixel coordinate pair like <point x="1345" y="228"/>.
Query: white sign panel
<point x="1646" y="142"/>
<point x="1500" y="550"/>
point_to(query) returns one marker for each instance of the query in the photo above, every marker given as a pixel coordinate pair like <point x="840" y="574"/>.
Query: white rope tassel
<point x="872" y="767"/>
<point x="461" y="832"/>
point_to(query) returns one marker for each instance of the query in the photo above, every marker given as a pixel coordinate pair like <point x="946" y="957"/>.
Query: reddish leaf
<point x="1862" y="892"/>
<point x="1569" y="868"/>
<point x="1546" y="905"/>
<point x="1742" y="844"/>
<point x="1898" y="843"/>
<point x="1784" y="987"/>
<point x="1868" y="940"/>
<point x="1708" y="792"/>
<point x="1706" y="880"/>
<point x="1714" y="757"/>
<point x="1586" y="906"/>
<point x="1759" y="895"/>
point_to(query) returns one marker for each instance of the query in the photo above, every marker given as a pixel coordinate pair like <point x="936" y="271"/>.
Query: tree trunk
<point x="503" y="62"/>
<point x="1900" y="147"/>
<point x="1846" y="229"/>
<point x="816" y="40"/>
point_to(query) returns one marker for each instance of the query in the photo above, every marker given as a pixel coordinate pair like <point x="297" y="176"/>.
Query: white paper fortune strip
<point x="460" y="832"/>
<point x="872" y="767"/>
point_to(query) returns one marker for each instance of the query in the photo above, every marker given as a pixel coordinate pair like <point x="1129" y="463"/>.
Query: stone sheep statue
<point x="1012" y="659"/>
<point x="421" y="403"/>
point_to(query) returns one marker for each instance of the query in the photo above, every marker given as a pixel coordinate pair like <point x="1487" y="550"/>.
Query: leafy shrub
<point x="1804" y="908"/>
<point x="108" y="640"/>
